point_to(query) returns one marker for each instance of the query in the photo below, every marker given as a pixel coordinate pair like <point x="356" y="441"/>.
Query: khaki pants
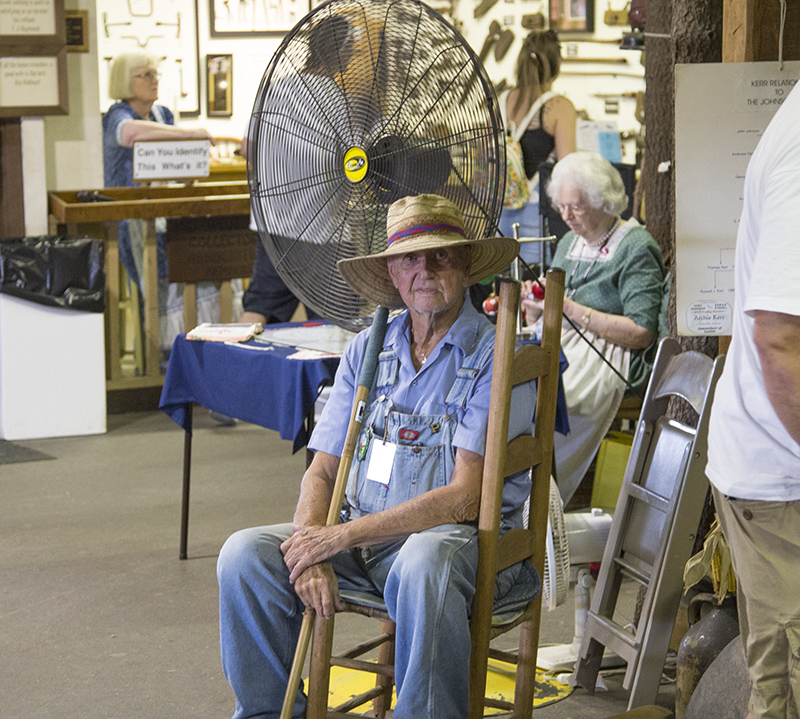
<point x="764" y="538"/>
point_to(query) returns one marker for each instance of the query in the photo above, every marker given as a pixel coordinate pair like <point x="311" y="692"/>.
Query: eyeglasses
<point x="574" y="209"/>
<point x="149" y="75"/>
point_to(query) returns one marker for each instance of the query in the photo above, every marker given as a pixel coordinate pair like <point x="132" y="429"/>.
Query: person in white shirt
<point x="754" y="434"/>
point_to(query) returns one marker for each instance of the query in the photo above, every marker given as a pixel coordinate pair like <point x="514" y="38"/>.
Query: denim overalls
<point x="425" y="455"/>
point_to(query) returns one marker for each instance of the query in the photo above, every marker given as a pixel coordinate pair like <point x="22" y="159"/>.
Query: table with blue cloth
<point x="261" y="386"/>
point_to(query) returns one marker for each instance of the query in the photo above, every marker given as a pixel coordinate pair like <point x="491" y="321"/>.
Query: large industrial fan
<point x="365" y="102"/>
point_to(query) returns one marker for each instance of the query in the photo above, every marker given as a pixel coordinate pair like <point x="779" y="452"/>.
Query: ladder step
<point x="649" y="497"/>
<point x="631" y="571"/>
<point x="612" y="636"/>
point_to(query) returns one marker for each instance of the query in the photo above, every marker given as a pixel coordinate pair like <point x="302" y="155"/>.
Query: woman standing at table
<point x="133" y="80"/>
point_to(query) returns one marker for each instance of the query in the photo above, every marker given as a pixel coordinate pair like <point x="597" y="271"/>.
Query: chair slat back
<point x="512" y="367"/>
<point x="521" y="453"/>
<point x="530" y="362"/>
<point x="687" y="376"/>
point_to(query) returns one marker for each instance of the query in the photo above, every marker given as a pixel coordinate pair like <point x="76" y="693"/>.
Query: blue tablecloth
<point x="257" y="386"/>
<point x="261" y="387"/>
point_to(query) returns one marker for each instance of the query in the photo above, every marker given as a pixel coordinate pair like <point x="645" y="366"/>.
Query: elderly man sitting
<point x="408" y="531"/>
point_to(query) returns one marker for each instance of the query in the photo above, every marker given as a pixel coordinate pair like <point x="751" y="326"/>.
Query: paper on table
<point x="311" y="354"/>
<point x="209" y="332"/>
<point x="319" y="337"/>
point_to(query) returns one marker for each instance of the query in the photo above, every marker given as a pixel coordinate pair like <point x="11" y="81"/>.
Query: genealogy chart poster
<point x="721" y="112"/>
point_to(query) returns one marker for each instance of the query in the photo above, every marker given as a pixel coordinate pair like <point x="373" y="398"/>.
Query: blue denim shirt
<point x="118" y="172"/>
<point x="424" y="392"/>
<point x="118" y="160"/>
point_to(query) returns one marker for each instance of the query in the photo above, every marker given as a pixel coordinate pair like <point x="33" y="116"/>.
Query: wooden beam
<point x="12" y="207"/>
<point x="737" y="30"/>
<point x="751" y="29"/>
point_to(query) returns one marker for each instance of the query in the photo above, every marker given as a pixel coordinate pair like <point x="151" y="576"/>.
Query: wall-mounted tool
<point x="107" y="24"/>
<point x="484" y="7"/>
<point x="491" y="39"/>
<point x="499" y="38"/>
<point x="615" y="18"/>
<point x="534" y="21"/>
<point x="176" y="25"/>
<point x="179" y="63"/>
<point x="595" y="60"/>
<point x="504" y="40"/>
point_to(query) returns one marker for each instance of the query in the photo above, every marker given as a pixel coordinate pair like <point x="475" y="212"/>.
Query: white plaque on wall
<point x="28" y="81"/>
<point x="170" y="159"/>
<point x="27" y="17"/>
<point x="721" y="112"/>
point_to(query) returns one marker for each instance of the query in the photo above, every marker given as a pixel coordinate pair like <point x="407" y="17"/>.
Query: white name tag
<point x="381" y="460"/>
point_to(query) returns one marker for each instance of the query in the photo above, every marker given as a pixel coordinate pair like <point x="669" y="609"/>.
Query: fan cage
<point x="556" y="579"/>
<point x="364" y="102"/>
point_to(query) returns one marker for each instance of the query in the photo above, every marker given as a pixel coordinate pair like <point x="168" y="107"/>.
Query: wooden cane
<point x="365" y="378"/>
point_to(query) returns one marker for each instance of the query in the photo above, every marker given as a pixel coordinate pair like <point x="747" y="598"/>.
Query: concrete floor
<point x="99" y="619"/>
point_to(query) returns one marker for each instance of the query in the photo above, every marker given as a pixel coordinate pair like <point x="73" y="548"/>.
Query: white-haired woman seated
<point x="614" y="288"/>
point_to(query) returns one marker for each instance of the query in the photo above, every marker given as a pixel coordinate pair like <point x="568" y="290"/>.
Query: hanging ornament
<point x="491" y="304"/>
<point x="537" y="292"/>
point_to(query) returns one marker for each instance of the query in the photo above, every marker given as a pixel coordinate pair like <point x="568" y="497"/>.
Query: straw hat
<point x="419" y="223"/>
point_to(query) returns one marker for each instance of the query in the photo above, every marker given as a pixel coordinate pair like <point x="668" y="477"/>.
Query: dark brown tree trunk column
<point x="659" y="118"/>
<point x="678" y="31"/>
<point x="694" y="31"/>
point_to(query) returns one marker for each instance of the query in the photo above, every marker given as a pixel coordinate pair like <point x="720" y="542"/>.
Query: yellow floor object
<point x="347" y="683"/>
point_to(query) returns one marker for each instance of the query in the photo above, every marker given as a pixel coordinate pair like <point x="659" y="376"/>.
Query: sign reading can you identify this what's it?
<point x="170" y="159"/>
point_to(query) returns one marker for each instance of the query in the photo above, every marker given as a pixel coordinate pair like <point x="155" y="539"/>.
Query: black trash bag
<point x="54" y="270"/>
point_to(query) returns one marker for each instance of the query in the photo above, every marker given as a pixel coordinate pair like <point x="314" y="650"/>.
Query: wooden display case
<point x="97" y="217"/>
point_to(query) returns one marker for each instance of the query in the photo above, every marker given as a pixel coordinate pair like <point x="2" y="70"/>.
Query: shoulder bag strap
<point x="503" y="101"/>
<point x="517" y="133"/>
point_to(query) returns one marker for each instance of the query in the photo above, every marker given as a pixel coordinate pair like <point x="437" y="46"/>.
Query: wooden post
<point x="152" y="357"/>
<point x="12" y="206"/>
<point x="113" y="339"/>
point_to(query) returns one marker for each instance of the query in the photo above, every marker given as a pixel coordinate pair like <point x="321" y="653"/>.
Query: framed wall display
<point x="77" y="22"/>
<point x="219" y="87"/>
<point x="255" y="17"/>
<point x="572" y="15"/>
<point x="166" y="29"/>
<point x="34" y="85"/>
<point x="33" y="59"/>
<point x="39" y="22"/>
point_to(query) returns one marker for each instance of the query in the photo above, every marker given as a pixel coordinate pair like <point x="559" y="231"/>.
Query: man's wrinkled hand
<point x="309" y="546"/>
<point x="318" y="588"/>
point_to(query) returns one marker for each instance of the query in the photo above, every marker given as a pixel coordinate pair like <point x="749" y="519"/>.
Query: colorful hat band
<point x="425" y="229"/>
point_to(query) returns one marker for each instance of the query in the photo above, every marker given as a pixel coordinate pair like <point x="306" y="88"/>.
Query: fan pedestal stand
<point x="516" y="267"/>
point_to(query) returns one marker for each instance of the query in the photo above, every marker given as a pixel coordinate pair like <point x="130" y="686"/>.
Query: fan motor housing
<point x="356" y="164"/>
